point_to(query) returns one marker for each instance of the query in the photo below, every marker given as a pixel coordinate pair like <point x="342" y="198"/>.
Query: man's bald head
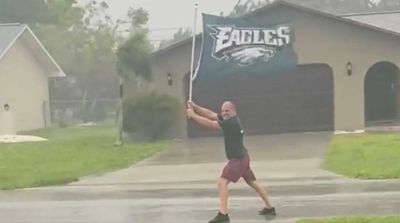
<point x="228" y="109"/>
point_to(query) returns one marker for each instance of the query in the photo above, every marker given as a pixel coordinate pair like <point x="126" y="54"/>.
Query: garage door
<point x="296" y="101"/>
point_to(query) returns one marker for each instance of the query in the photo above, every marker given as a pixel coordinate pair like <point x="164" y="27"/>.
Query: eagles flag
<point x="244" y="46"/>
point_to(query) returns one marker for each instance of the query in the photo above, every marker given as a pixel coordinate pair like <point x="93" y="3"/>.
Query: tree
<point x="21" y="11"/>
<point x="388" y="5"/>
<point x="134" y="55"/>
<point x="138" y="18"/>
<point x="243" y="7"/>
<point x="93" y="62"/>
<point x="133" y="59"/>
<point x="35" y="12"/>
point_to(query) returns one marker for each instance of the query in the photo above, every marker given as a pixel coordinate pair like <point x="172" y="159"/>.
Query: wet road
<point x="197" y="203"/>
<point x="182" y="210"/>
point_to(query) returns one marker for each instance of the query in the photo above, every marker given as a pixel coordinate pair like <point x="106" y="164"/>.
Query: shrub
<point x="149" y="115"/>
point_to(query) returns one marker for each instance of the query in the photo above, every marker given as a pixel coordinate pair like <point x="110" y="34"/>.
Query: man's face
<point x="227" y="110"/>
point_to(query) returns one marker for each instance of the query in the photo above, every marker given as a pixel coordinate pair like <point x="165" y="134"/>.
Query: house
<point x="346" y="76"/>
<point x="25" y="67"/>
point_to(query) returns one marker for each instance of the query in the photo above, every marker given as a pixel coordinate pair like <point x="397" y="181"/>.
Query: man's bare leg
<point x="222" y="216"/>
<point x="261" y="192"/>
<point x="223" y="195"/>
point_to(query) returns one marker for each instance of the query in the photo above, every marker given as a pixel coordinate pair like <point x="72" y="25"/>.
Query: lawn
<point x="366" y="156"/>
<point x="69" y="154"/>
<point x="354" y="220"/>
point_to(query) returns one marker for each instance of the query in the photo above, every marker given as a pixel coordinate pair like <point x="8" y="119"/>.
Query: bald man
<point x="238" y="165"/>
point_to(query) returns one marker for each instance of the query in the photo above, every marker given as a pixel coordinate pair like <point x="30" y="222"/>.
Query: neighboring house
<point x="25" y="66"/>
<point x="347" y="76"/>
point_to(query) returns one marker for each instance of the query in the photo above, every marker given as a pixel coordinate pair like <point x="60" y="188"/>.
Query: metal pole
<point x="120" y="114"/>
<point x="193" y="48"/>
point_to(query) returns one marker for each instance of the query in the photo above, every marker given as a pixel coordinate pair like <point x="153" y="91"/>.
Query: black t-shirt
<point x="233" y="137"/>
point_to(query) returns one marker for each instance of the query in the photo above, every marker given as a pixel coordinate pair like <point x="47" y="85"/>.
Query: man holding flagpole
<point x="238" y="165"/>
<point x="237" y="46"/>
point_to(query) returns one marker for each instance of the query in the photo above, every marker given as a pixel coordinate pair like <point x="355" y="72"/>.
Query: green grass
<point x="69" y="154"/>
<point x="354" y="220"/>
<point x="367" y="156"/>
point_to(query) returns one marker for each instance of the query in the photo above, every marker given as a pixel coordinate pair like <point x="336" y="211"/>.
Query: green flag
<point x="245" y="46"/>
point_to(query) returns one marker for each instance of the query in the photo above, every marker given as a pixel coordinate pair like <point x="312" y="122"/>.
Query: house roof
<point x="389" y="25"/>
<point x="389" y="21"/>
<point x="10" y="33"/>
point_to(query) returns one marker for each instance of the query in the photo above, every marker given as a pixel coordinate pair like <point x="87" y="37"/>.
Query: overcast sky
<point x="169" y="13"/>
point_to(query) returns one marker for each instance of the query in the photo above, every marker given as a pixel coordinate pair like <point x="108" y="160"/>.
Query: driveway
<point x="261" y="148"/>
<point x="274" y="157"/>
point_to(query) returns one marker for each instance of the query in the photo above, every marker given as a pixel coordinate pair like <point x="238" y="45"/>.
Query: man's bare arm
<point x="203" y="121"/>
<point x="205" y="112"/>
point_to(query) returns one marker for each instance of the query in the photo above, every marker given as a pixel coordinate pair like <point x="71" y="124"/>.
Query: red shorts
<point x="237" y="168"/>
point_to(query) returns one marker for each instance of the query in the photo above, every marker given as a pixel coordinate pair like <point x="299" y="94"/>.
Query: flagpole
<point x="193" y="48"/>
<point x="120" y="113"/>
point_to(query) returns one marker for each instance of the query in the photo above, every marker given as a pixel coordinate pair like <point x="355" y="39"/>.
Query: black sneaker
<point x="220" y="218"/>
<point x="267" y="211"/>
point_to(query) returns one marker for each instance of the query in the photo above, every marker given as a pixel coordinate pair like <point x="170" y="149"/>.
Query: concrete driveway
<point x="274" y="157"/>
<point x="261" y="148"/>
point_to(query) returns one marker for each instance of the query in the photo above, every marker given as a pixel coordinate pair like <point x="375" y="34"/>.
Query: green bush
<point x="149" y="115"/>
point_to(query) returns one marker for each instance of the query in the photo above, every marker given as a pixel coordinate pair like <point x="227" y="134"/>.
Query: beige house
<point x="25" y="66"/>
<point x="347" y="75"/>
